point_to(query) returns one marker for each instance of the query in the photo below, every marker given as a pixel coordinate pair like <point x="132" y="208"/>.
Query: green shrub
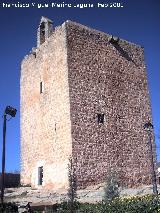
<point x="72" y="189"/>
<point x="145" y="204"/>
<point x="8" y="207"/>
<point x="111" y="190"/>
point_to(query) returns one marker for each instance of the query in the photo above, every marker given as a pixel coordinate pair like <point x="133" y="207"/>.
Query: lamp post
<point x="12" y="112"/>
<point x="149" y="127"/>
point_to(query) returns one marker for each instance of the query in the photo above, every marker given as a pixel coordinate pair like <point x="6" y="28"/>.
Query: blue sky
<point x="137" y="21"/>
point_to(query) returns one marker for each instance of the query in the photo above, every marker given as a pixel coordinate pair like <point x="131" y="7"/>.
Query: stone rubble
<point x="23" y="195"/>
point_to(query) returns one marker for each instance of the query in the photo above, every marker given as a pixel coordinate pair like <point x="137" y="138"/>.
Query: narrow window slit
<point x="100" y="118"/>
<point x="41" y="87"/>
<point x="40" y="175"/>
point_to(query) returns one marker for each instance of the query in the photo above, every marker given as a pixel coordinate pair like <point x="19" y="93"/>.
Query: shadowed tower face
<point x="83" y="95"/>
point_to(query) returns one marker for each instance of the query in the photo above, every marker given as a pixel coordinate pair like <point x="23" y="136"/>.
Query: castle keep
<point x="84" y="95"/>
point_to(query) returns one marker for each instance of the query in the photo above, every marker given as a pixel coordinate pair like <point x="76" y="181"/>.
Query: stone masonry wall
<point x="84" y="74"/>
<point x="45" y="117"/>
<point x="111" y="79"/>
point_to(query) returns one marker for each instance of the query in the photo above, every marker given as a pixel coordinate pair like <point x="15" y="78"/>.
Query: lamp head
<point x="10" y="111"/>
<point x="148" y="126"/>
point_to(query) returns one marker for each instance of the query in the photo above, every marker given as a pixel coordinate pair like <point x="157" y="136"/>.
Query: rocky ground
<point x="23" y="195"/>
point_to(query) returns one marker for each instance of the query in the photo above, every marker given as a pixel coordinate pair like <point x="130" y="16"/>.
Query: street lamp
<point x="149" y="127"/>
<point x="12" y="112"/>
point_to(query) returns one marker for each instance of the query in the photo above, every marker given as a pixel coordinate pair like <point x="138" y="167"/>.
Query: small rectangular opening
<point x="34" y="54"/>
<point x="100" y="117"/>
<point x="42" y="33"/>
<point x="40" y="175"/>
<point x="41" y="87"/>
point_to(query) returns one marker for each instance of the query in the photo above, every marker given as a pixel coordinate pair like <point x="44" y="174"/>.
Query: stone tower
<point x="84" y="95"/>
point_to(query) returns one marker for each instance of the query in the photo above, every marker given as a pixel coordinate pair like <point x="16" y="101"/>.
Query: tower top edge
<point x="45" y="19"/>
